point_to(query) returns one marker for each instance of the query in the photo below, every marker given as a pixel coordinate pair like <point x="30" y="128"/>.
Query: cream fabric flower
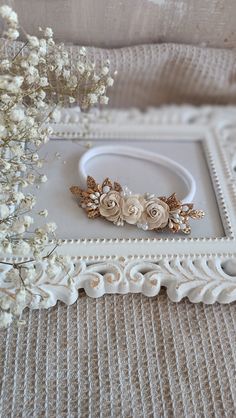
<point x="156" y="213"/>
<point x="110" y="206"/>
<point x="132" y="209"/>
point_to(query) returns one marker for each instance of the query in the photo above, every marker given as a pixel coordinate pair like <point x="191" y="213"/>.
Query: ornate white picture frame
<point x="202" y="268"/>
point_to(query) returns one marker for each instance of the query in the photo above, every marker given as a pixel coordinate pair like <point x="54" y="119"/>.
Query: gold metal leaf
<point x="91" y="183"/>
<point x="117" y="187"/>
<point x="92" y="214"/>
<point x="173" y="202"/>
<point x="175" y="228"/>
<point x="196" y="214"/>
<point x="76" y="191"/>
<point x="107" y="182"/>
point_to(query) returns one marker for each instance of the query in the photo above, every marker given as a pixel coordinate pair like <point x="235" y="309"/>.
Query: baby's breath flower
<point x="27" y="106"/>
<point x="10" y="83"/>
<point x="23" y="183"/>
<point x="72" y="82"/>
<point x="18" y="80"/>
<point x="41" y="94"/>
<point x="27" y="220"/>
<point x="5" y="319"/>
<point x="3" y="131"/>
<point x="5" y="98"/>
<point x="31" y="178"/>
<point x="17" y="197"/>
<point x="56" y="115"/>
<point x="18" y="227"/>
<point x="39" y="163"/>
<point x="4" y="211"/>
<point x="7" y="13"/>
<point x="82" y="51"/>
<point x="96" y="78"/>
<point x="50" y="227"/>
<point x="43" y="81"/>
<point x="93" y="98"/>
<point x="43" y="213"/>
<point x="66" y="74"/>
<point x="17" y="150"/>
<point x="24" y="64"/>
<point x="7" y="247"/>
<point x="51" y="42"/>
<point x="12" y="34"/>
<point x="33" y="58"/>
<point x="48" y="33"/>
<point x="5" y="65"/>
<point x="43" y="178"/>
<point x="28" y="202"/>
<point x="105" y="70"/>
<point x="22" y="248"/>
<point x="5" y="302"/>
<point x="101" y="89"/>
<point x="81" y="68"/>
<point x="34" y="157"/>
<point x="104" y="100"/>
<point x="110" y="81"/>
<point x="33" y="41"/>
<point x="46" y="139"/>
<point x="43" y="47"/>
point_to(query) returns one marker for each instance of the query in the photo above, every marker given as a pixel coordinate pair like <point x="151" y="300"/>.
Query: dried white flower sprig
<point x="32" y="83"/>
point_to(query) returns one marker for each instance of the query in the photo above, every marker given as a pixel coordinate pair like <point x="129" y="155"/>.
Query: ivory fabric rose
<point x="110" y="206"/>
<point x="132" y="209"/>
<point x="156" y="213"/>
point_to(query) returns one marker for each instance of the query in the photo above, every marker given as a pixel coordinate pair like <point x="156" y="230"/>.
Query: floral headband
<point x="148" y="212"/>
<point x="119" y="205"/>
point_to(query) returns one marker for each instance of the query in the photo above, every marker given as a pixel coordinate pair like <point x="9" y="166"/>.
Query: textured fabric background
<point x="170" y="68"/>
<point x="118" y="23"/>
<point x="121" y="356"/>
<point x="152" y="75"/>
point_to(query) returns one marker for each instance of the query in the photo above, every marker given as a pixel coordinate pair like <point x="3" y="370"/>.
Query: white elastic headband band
<point x="141" y="154"/>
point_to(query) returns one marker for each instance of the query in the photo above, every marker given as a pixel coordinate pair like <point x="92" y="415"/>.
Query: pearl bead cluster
<point x="149" y="196"/>
<point x="126" y="191"/>
<point x="95" y="198"/>
<point x="177" y="218"/>
<point x="142" y="226"/>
